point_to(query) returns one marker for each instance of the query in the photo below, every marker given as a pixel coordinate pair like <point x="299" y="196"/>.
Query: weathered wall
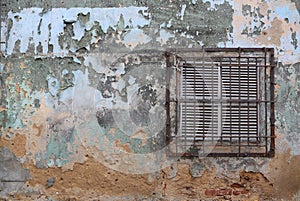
<point x="82" y="99"/>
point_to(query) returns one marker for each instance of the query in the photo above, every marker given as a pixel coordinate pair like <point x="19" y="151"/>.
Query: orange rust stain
<point x="2" y="108"/>
<point x="277" y="88"/>
<point x="17" y="88"/>
<point x="39" y="129"/>
<point x="22" y="65"/>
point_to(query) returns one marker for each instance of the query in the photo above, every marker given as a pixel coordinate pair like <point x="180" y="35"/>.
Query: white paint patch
<point x="134" y="38"/>
<point x="32" y="26"/>
<point x="164" y="36"/>
<point x="79" y="33"/>
<point x="182" y="11"/>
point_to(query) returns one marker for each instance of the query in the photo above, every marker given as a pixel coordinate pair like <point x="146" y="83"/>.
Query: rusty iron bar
<point x="168" y="118"/>
<point x="272" y="97"/>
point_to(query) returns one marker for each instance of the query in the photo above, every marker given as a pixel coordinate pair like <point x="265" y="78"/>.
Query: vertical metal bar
<point x="168" y="119"/>
<point x="272" y="98"/>
<point x="203" y="103"/>
<point x="194" y="111"/>
<point x="177" y="106"/>
<point x="230" y="101"/>
<point x="239" y="83"/>
<point x="185" y="104"/>
<point x="258" y="102"/>
<point x="220" y="108"/>
<point x="212" y="100"/>
<point x="248" y="97"/>
<point x="266" y="98"/>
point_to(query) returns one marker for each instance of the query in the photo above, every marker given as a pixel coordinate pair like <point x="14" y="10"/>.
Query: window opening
<point x="220" y="101"/>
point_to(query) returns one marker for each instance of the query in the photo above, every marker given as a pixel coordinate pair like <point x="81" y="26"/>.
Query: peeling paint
<point x="83" y="91"/>
<point x="38" y="30"/>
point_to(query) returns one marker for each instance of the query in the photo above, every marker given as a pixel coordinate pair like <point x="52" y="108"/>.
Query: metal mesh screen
<point x="223" y="103"/>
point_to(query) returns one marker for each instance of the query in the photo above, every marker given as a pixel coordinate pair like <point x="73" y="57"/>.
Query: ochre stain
<point x="2" y="108"/>
<point x="39" y="129"/>
<point x="140" y="134"/>
<point x="22" y="65"/>
<point x="285" y="171"/>
<point x="90" y="179"/>
<point x="17" y="88"/>
<point x="124" y="147"/>
<point x="272" y="35"/>
<point x="277" y="88"/>
<point x="16" y="144"/>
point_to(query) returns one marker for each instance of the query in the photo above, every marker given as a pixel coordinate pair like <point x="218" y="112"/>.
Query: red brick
<point x="211" y="192"/>
<point x="239" y="192"/>
<point x="236" y="185"/>
<point x="223" y="192"/>
<point x="236" y="192"/>
<point x="245" y="191"/>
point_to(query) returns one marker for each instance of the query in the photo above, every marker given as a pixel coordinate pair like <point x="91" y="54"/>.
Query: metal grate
<point x="220" y="101"/>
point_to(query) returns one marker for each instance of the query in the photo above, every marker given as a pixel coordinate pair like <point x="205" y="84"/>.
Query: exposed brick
<point x="239" y="192"/>
<point x="210" y="192"/>
<point x="245" y="191"/>
<point x="223" y="192"/>
<point x="236" y="185"/>
<point x="236" y="192"/>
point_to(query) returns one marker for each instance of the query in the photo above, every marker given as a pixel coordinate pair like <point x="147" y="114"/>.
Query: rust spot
<point x="277" y="88"/>
<point x="22" y="65"/>
<point x="2" y="108"/>
<point x="39" y="129"/>
<point x="17" y="88"/>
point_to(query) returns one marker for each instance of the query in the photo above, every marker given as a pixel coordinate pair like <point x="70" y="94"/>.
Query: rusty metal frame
<point x="267" y="101"/>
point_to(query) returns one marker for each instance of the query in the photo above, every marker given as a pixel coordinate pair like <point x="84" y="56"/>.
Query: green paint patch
<point x="26" y="82"/>
<point x="196" y="20"/>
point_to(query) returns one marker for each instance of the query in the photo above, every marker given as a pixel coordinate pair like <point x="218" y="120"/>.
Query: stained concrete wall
<point x="82" y="99"/>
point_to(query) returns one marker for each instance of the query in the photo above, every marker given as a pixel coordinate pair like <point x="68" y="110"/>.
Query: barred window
<point x="220" y="102"/>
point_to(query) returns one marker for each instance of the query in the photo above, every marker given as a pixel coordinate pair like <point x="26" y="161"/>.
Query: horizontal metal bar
<point x="263" y="49"/>
<point x="223" y="101"/>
